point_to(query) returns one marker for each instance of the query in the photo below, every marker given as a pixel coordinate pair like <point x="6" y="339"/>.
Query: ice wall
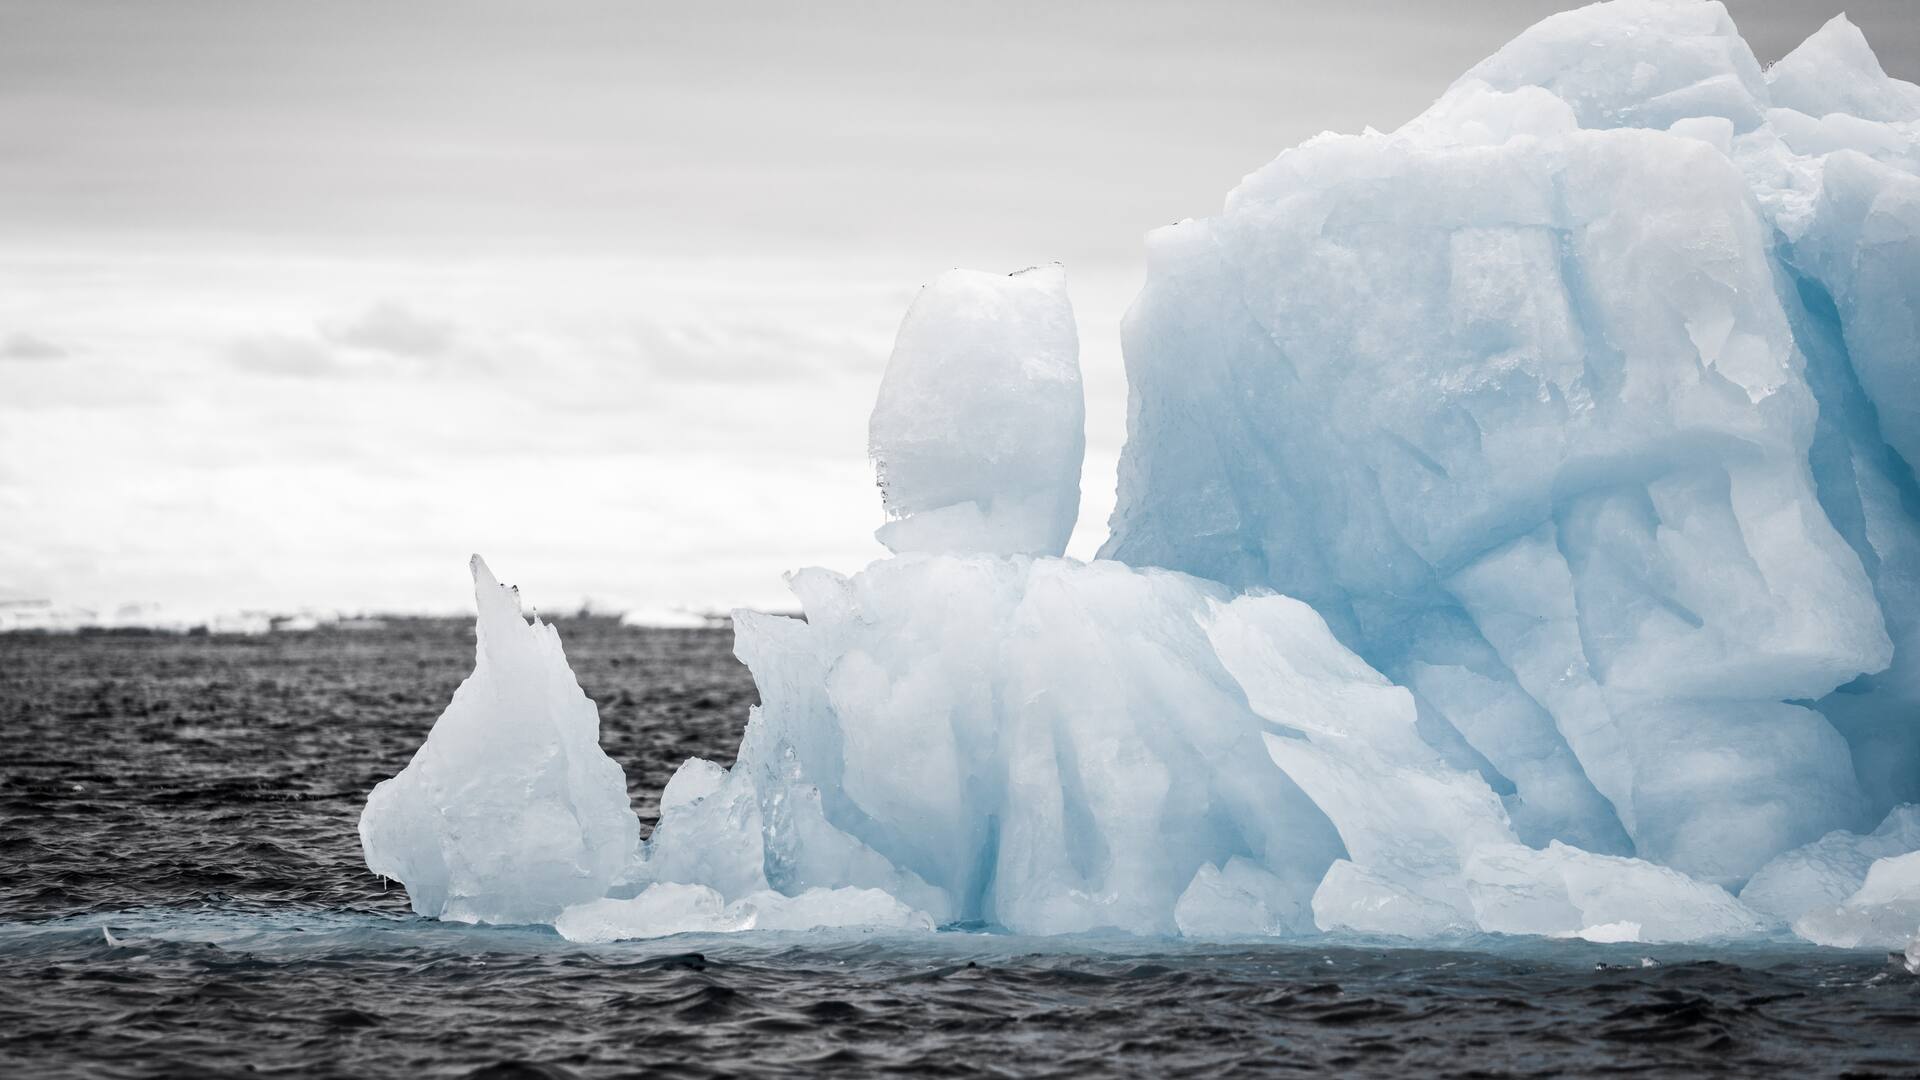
<point x="1047" y="747"/>
<point x="1582" y="406"/>
<point x="1033" y="744"/>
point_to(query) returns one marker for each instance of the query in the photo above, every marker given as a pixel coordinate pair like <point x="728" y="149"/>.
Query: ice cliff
<point x="1516" y="533"/>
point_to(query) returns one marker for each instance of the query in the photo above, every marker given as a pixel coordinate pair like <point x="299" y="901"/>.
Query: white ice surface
<point x="509" y="812"/>
<point x="979" y="431"/>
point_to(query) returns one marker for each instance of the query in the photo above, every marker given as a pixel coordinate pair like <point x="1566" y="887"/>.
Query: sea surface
<point x="182" y="894"/>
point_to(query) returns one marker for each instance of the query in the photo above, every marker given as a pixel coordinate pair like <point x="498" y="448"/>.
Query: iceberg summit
<point x="1517" y="533"/>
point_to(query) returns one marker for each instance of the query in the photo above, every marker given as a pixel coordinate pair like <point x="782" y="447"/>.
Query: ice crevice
<point x="1517" y="533"/>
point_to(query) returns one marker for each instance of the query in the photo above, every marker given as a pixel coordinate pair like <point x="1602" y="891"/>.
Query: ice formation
<point x="1581" y="406"/>
<point x="665" y="909"/>
<point x="510" y="812"/>
<point x="1516" y="534"/>
<point x="1825" y="873"/>
<point x="1021" y="794"/>
<point x="1883" y="913"/>
<point x="980" y="427"/>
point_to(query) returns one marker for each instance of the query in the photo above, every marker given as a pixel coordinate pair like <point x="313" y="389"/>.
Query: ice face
<point x="979" y="431"/>
<point x="1430" y="849"/>
<point x="510" y="812"/>
<point x="1034" y="744"/>
<point x="1048" y="746"/>
<point x="1582" y="407"/>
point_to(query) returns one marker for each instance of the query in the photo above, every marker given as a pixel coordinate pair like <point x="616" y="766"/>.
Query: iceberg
<point x="509" y="812"/>
<point x="1517" y="533"/>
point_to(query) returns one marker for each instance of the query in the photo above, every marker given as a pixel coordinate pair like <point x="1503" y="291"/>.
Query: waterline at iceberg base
<point x="1517" y="534"/>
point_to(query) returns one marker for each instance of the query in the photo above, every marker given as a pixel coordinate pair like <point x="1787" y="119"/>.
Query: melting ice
<point x="1517" y="533"/>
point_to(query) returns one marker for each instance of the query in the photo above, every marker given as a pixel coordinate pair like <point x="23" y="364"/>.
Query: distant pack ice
<point x="1517" y="533"/>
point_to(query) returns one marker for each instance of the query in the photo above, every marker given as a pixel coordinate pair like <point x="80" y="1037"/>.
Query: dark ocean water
<point x="181" y="893"/>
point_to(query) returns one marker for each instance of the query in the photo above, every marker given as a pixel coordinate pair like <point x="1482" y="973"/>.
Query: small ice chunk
<point x="659" y="911"/>
<point x="819" y="909"/>
<point x="1362" y="901"/>
<point x="1885" y="913"/>
<point x="509" y="812"/>
<point x="1563" y="891"/>
<point x="1824" y="873"/>
<point x="709" y="832"/>
<point x="695" y="779"/>
<point x="1610" y="933"/>
<point x="979" y="430"/>
<point x="671" y="908"/>
<point x="1242" y="899"/>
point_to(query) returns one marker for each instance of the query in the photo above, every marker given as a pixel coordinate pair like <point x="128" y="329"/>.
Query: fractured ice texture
<point x="1582" y="406"/>
<point x="510" y="812"/>
<point x="1516" y="533"/>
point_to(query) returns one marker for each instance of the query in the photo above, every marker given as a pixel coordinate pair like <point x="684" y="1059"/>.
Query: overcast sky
<point x="302" y="302"/>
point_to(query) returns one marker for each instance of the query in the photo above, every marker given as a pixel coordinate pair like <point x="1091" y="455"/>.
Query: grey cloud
<point x="752" y="352"/>
<point x="389" y="331"/>
<point x="20" y="346"/>
<point x="417" y="126"/>
<point x="394" y="329"/>
<point x="279" y="354"/>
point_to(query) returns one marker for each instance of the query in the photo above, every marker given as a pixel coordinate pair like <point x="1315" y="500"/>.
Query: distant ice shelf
<point x="658" y="618"/>
<point x="1517" y="533"/>
<point x="46" y="617"/>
